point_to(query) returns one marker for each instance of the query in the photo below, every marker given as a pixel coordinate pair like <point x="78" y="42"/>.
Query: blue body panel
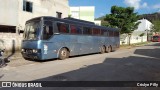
<point x="77" y="45"/>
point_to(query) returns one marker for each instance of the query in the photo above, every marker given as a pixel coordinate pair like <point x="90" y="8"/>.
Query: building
<point x="84" y="13"/>
<point x="14" y="13"/>
<point x="140" y="34"/>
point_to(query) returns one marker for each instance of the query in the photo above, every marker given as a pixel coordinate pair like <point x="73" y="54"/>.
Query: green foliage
<point x="151" y="17"/>
<point x="123" y="18"/>
<point x="69" y="15"/>
<point x="142" y="34"/>
<point x="156" y="26"/>
<point x="103" y="22"/>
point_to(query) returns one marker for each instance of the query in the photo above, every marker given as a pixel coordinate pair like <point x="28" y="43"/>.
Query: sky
<point x="102" y="7"/>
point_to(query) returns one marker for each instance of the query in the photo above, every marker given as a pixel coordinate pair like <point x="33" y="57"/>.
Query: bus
<point x="49" y="37"/>
<point x="156" y="38"/>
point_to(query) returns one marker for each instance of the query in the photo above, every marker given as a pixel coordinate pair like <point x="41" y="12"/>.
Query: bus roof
<point x="74" y="21"/>
<point x="78" y="20"/>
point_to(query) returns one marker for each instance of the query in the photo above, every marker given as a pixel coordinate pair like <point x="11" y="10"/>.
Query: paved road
<point x="136" y="64"/>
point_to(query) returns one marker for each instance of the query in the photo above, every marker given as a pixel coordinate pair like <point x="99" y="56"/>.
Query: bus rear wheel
<point x="109" y="49"/>
<point x="102" y="49"/>
<point x="63" y="54"/>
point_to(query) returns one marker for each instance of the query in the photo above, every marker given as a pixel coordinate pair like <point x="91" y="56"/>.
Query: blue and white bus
<point x="49" y="37"/>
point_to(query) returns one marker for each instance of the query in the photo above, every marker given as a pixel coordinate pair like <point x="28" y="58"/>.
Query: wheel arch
<point x="61" y="48"/>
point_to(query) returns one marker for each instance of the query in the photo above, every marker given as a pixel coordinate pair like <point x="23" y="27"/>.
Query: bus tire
<point x="2" y="62"/>
<point x="63" y="54"/>
<point x="109" y="49"/>
<point x="26" y="58"/>
<point x="102" y="49"/>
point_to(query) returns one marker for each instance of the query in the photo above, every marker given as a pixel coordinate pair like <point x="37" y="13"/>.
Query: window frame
<point x="90" y="30"/>
<point x="68" y="27"/>
<point x="98" y="31"/>
<point x="25" y="6"/>
<point x="76" y="29"/>
<point x="52" y="24"/>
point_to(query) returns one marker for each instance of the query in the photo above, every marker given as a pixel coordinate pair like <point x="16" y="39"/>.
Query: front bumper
<point x="32" y="56"/>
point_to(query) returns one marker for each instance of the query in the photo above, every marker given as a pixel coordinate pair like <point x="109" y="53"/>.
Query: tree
<point x="141" y="35"/>
<point x="103" y="22"/>
<point x="156" y="26"/>
<point x="123" y="18"/>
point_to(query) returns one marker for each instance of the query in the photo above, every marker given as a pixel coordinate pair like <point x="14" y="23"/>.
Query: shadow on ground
<point x="154" y="53"/>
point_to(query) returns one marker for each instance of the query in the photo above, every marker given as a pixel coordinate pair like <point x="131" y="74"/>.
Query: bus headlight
<point x="35" y="50"/>
<point x="22" y="50"/>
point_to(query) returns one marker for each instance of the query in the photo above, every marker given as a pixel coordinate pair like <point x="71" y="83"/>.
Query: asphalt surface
<point x="135" y="64"/>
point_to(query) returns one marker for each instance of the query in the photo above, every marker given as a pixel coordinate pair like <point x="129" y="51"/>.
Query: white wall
<point x="83" y="13"/>
<point x="97" y="22"/>
<point x="75" y="12"/>
<point x="43" y="8"/>
<point x="9" y="12"/>
<point x="144" y="27"/>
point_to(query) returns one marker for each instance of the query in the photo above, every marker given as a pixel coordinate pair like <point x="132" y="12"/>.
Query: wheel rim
<point x="102" y="49"/>
<point x="63" y="53"/>
<point x="1" y="62"/>
<point x="109" y="49"/>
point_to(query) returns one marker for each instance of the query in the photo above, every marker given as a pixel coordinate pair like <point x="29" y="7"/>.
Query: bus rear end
<point x="156" y="38"/>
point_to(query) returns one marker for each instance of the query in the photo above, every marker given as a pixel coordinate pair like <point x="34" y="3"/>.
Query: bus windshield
<point x="32" y="31"/>
<point x="155" y="37"/>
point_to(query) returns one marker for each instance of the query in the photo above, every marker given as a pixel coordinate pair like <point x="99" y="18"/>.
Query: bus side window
<point x="47" y="30"/>
<point x="102" y="32"/>
<point x="96" y="31"/>
<point x="79" y="29"/>
<point x="117" y="34"/>
<point x="73" y="29"/>
<point x="87" y="31"/>
<point x="99" y="32"/>
<point x="105" y="32"/>
<point x="110" y="33"/>
<point x="63" y="28"/>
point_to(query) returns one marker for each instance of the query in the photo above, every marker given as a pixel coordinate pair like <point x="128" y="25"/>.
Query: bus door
<point x="47" y="45"/>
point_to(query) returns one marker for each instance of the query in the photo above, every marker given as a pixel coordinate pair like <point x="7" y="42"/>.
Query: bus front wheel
<point x="63" y="54"/>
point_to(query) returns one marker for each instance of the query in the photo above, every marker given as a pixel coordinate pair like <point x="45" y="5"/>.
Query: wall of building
<point x="75" y="12"/>
<point x="84" y="13"/>
<point x="97" y="22"/>
<point x="13" y="15"/>
<point x="87" y="13"/>
<point x="9" y="12"/>
<point x="143" y="27"/>
<point x="42" y="8"/>
<point x="12" y="41"/>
